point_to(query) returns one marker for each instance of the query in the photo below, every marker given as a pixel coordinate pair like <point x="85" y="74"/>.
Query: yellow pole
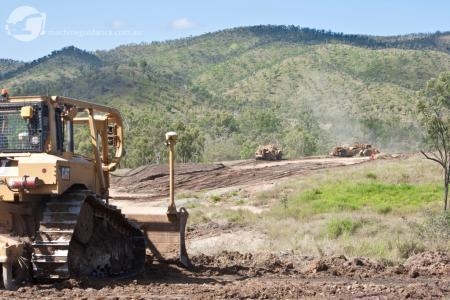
<point x="171" y="139"/>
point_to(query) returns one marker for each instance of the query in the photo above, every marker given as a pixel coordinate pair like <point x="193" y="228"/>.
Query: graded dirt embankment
<point x="151" y="182"/>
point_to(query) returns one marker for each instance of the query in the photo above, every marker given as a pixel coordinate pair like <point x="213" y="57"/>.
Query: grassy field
<point x="385" y="209"/>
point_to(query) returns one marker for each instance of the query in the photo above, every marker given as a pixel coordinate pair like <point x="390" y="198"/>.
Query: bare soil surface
<point x="234" y="275"/>
<point x="247" y="274"/>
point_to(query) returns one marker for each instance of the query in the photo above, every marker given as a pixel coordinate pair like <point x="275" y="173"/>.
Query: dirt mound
<point x="340" y="265"/>
<point x="247" y="264"/>
<point x="429" y="264"/>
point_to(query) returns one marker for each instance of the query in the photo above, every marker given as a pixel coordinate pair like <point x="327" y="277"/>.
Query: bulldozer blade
<point x="165" y="235"/>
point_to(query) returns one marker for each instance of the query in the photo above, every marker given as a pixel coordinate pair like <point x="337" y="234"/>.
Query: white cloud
<point x="118" y="24"/>
<point x="182" y="24"/>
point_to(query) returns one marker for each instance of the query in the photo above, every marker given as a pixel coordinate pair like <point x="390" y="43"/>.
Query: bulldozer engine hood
<point x="40" y="173"/>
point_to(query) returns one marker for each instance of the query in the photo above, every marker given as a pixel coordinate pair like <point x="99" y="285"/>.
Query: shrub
<point x="371" y="175"/>
<point x="384" y="210"/>
<point x="338" y="227"/>
<point x="436" y="226"/>
<point x="215" y="198"/>
<point x="408" y="248"/>
<point x="284" y="201"/>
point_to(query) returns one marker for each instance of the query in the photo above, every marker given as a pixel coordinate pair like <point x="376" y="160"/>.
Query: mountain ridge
<point x="234" y="89"/>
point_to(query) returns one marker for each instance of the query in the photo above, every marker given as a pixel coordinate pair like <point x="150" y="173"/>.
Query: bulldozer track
<point x="80" y="234"/>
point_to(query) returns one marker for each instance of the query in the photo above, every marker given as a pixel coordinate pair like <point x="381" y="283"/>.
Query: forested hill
<point x="227" y="92"/>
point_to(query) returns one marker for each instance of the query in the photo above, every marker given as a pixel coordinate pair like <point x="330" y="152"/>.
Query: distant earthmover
<point x="356" y="150"/>
<point x="269" y="152"/>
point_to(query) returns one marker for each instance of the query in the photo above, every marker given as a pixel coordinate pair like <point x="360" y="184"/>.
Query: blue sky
<point x="94" y="25"/>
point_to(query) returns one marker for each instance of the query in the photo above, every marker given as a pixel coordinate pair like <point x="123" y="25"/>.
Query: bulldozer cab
<point x="46" y="125"/>
<point x="19" y="134"/>
<point x="48" y="121"/>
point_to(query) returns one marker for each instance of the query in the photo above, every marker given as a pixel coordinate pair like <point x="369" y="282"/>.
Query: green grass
<point x="371" y="195"/>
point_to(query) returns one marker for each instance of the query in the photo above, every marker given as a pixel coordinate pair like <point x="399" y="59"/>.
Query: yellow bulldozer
<point x="268" y="152"/>
<point x="55" y="216"/>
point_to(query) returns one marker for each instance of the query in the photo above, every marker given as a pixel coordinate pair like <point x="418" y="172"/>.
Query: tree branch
<point x="433" y="159"/>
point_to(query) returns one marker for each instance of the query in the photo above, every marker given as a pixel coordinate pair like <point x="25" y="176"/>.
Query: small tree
<point x="190" y="143"/>
<point x="434" y="110"/>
